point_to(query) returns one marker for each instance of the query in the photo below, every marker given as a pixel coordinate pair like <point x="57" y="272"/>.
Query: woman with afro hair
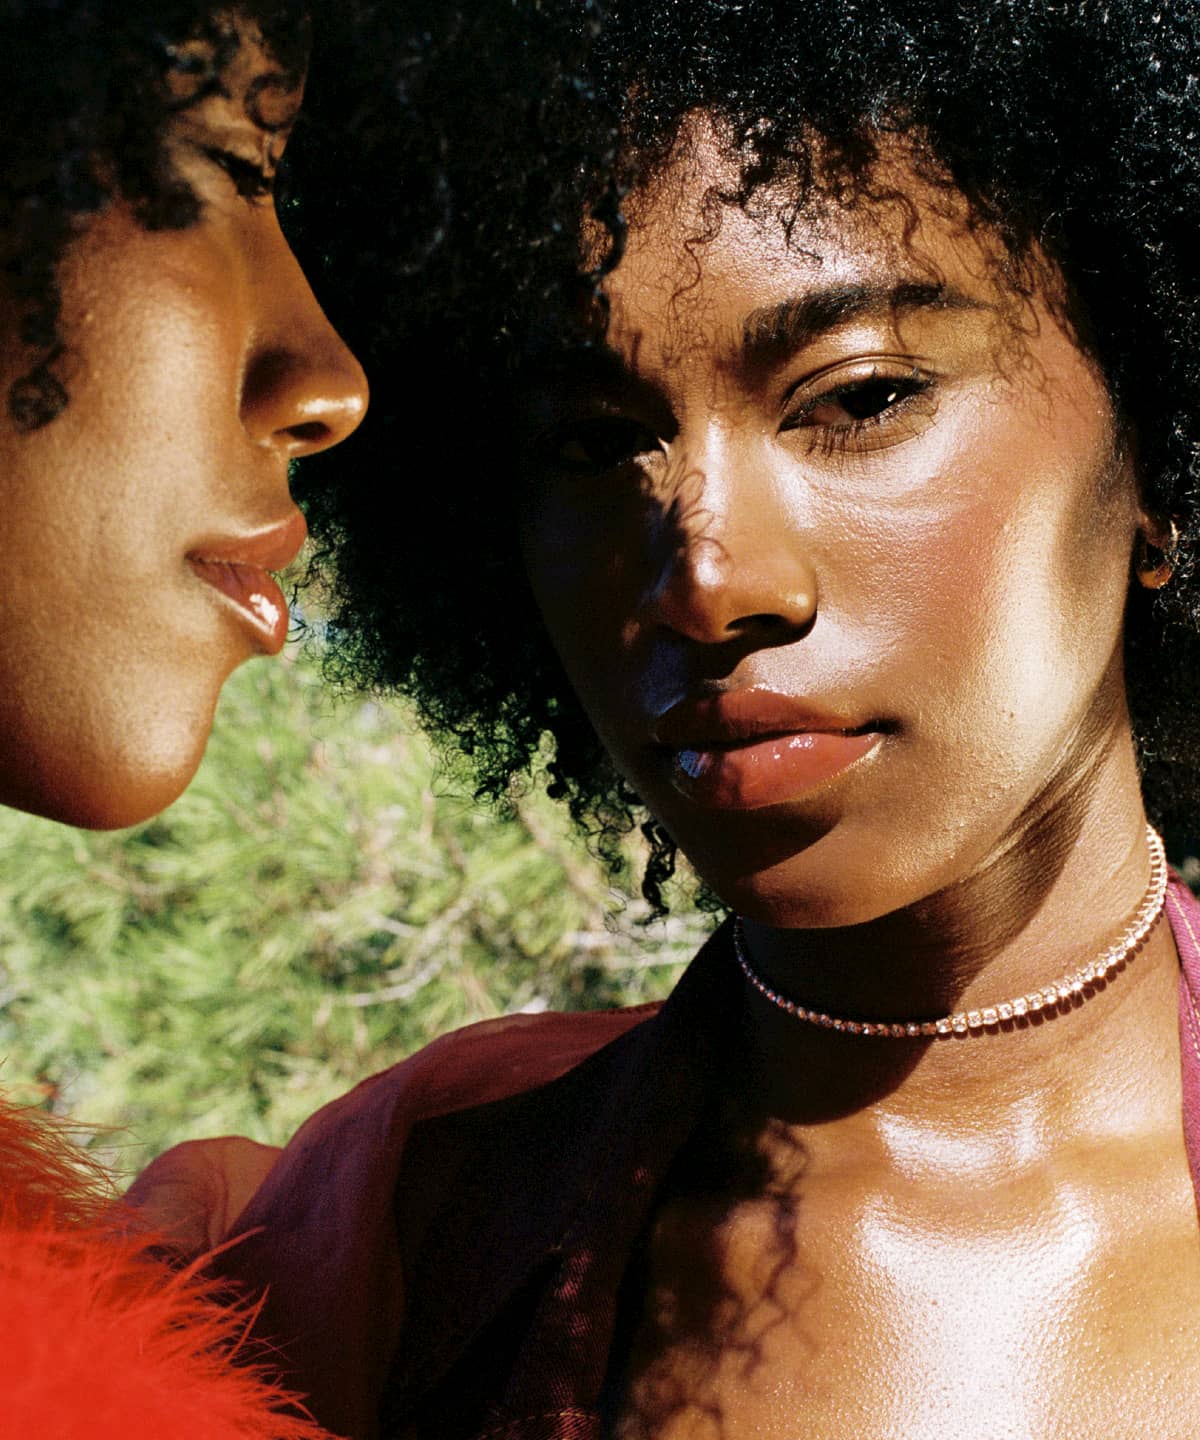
<point x="162" y="361"/>
<point x="794" y="432"/>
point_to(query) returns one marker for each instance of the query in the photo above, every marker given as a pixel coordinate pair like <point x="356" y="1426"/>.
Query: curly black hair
<point x="86" y="88"/>
<point x="1071" y="127"/>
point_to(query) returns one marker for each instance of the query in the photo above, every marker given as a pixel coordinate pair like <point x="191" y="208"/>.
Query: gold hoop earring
<point x="1155" y="564"/>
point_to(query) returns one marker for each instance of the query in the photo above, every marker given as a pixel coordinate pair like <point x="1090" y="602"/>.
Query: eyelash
<point x="624" y="440"/>
<point x="836" y="439"/>
<point x="613" y="443"/>
<point x="249" y="180"/>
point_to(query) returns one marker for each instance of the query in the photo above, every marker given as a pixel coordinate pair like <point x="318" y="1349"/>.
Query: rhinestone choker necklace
<point x="973" y="1022"/>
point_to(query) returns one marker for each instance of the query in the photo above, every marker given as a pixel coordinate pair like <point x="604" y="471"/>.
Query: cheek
<point x="112" y="655"/>
<point x="1004" y="576"/>
<point x="159" y="367"/>
<point x="589" y="561"/>
<point x="98" y="728"/>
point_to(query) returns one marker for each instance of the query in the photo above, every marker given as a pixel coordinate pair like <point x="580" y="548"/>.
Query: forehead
<point x="703" y="267"/>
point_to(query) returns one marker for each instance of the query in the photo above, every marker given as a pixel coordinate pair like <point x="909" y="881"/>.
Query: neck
<point x="1039" y="1005"/>
<point x="1047" y="902"/>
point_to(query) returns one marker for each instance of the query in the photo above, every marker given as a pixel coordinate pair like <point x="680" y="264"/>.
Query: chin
<point x="118" y="808"/>
<point x="109" y="788"/>
<point x="115" y="804"/>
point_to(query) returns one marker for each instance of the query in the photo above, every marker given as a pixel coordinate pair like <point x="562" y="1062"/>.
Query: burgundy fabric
<point x="494" y="1187"/>
<point x="320" y="1236"/>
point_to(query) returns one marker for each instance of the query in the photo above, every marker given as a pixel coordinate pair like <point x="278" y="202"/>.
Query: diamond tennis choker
<point x="973" y="1022"/>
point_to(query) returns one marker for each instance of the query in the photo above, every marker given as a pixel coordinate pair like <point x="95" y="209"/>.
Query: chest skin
<point x="849" y="1303"/>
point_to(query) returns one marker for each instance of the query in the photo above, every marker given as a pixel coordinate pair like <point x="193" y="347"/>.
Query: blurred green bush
<point x="320" y="903"/>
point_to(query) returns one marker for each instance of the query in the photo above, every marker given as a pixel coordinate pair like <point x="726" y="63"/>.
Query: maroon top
<point x="495" y="1185"/>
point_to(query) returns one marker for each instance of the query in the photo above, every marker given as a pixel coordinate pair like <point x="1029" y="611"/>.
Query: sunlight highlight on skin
<point x="929" y="1281"/>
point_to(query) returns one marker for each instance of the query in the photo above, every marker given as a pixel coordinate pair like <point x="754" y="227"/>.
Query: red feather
<point x="100" y="1339"/>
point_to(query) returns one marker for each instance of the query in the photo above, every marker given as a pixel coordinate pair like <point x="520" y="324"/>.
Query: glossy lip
<point x="747" y="749"/>
<point x="239" y="568"/>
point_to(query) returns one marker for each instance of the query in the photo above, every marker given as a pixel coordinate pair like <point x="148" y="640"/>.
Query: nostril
<point x="311" y="432"/>
<point x="758" y="622"/>
<point x="779" y="626"/>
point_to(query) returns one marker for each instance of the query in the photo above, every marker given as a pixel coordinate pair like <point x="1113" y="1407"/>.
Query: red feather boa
<point x="100" y="1339"/>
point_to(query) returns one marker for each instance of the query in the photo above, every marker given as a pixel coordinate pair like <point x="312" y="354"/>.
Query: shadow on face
<point x="828" y="480"/>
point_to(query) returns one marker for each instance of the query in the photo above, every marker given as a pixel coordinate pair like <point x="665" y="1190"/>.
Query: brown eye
<point x="589" y="446"/>
<point x="863" y="402"/>
<point x="870" y="412"/>
<point x="859" y="402"/>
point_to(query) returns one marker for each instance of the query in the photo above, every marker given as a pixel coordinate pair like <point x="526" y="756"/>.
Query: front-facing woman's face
<point x="140" y="524"/>
<point x="834" y="540"/>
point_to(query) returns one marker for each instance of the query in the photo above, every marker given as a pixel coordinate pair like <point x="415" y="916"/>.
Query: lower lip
<point x="257" y="595"/>
<point x="767" y="772"/>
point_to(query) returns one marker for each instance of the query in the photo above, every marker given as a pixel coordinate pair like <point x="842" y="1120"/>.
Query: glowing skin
<point x="953" y="576"/>
<point x="139" y="525"/>
<point x="826" y="488"/>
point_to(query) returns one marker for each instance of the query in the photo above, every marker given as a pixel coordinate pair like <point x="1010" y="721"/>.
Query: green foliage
<point x="318" y="905"/>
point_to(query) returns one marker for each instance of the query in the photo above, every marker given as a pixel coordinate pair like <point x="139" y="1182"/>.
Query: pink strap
<point x="1183" y="912"/>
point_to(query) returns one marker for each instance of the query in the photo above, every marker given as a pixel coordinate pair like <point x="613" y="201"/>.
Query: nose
<point x="302" y="389"/>
<point x="734" y="563"/>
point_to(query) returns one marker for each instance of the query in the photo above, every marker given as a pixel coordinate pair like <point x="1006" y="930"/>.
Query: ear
<point x="1155" y="552"/>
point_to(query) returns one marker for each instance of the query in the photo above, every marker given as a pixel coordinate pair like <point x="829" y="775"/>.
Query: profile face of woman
<point x="140" y="524"/>
<point x="834" y="541"/>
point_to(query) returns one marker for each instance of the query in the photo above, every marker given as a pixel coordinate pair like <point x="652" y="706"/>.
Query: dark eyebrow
<point x="769" y="334"/>
<point x="775" y="331"/>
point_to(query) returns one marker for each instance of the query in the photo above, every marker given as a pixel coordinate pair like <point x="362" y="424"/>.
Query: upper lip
<point x="270" y="549"/>
<point x="738" y="717"/>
